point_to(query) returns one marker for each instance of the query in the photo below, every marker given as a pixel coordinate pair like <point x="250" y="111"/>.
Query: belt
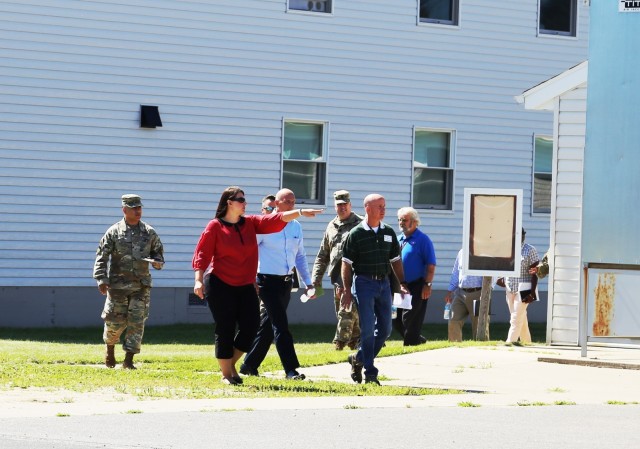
<point x="375" y="277"/>
<point x="471" y="290"/>
<point x="285" y="278"/>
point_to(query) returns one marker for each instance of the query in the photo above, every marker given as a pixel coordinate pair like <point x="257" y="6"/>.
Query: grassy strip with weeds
<point x="177" y="362"/>
<point x="621" y="403"/>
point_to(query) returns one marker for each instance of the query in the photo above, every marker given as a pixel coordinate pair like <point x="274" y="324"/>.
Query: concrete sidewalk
<point x="504" y="376"/>
<point x="488" y="376"/>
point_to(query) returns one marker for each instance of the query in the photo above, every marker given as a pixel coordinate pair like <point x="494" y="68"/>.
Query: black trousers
<point x="232" y="306"/>
<point x="409" y="322"/>
<point x="275" y="293"/>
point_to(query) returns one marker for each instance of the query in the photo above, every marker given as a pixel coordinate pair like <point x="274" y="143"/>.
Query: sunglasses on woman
<point x="239" y="200"/>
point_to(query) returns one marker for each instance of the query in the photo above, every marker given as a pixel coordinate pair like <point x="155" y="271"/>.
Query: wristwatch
<point x="428" y="284"/>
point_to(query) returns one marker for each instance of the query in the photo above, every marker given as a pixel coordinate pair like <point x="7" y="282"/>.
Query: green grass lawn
<point x="177" y="362"/>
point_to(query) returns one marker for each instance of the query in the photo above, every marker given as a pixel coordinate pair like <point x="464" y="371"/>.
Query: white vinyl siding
<point x="565" y="266"/>
<point x="224" y="74"/>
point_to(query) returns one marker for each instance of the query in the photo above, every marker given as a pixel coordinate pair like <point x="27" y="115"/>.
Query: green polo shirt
<point x="369" y="252"/>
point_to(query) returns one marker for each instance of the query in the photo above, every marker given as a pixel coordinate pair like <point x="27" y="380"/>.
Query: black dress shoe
<point x="244" y="369"/>
<point x="228" y="381"/>
<point x="371" y="380"/>
<point x="237" y="380"/>
<point x="295" y="375"/>
<point x="420" y="341"/>
<point x="356" y="368"/>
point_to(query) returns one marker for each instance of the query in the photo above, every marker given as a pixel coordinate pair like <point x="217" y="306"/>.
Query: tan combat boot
<point x="109" y="357"/>
<point x="128" y="361"/>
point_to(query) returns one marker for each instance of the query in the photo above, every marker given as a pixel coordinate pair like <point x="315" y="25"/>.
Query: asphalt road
<point x="539" y="427"/>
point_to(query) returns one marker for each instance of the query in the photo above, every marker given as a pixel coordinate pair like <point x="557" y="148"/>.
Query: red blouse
<point x="232" y="249"/>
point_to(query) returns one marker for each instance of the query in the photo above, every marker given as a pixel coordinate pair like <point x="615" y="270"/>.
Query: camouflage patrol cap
<point x="341" y="197"/>
<point x="131" y="200"/>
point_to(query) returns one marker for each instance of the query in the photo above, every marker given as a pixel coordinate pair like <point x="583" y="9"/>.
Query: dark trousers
<point x="231" y="306"/>
<point x="409" y="322"/>
<point x="275" y="293"/>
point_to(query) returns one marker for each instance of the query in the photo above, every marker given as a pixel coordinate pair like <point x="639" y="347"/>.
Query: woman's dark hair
<point x="229" y="193"/>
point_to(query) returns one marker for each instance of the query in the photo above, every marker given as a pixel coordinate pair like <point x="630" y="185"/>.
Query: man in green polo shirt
<point x="369" y="253"/>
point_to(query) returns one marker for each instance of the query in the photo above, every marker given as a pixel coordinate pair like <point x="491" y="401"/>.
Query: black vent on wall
<point x="149" y="117"/>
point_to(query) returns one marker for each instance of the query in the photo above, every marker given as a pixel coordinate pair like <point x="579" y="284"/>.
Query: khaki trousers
<point x="518" y="323"/>
<point x="461" y="308"/>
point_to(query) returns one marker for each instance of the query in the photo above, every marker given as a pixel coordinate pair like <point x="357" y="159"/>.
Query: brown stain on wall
<point x="605" y="293"/>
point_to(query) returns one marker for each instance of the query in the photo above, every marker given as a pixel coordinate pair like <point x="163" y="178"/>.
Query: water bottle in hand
<point x="306" y="296"/>
<point x="447" y="311"/>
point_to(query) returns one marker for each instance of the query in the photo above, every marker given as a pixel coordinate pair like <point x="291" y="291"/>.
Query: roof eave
<point x="541" y="97"/>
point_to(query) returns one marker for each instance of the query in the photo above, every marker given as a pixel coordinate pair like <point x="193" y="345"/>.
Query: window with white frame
<point x="325" y="6"/>
<point x="542" y="174"/>
<point x="439" y="11"/>
<point x="433" y="169"/>
<point x="304" y="160"/>
<point x="557" y="17"/>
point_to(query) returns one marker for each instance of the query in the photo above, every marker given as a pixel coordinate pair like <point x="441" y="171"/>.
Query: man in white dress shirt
<point x="279" y="253"/>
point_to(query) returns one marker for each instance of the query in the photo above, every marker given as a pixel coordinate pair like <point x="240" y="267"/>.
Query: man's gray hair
<point x="413" y="214"/>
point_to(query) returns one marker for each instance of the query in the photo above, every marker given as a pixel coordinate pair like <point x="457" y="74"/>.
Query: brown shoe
<point x="128" y="361"/>
<point x="109" y="357"/>
<point x="339" y="345"/>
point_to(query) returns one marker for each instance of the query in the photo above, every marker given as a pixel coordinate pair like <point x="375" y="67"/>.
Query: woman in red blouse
<point x="228" y="245"/>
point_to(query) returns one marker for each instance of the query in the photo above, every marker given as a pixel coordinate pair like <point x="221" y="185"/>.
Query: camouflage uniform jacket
<point x="127" y="246"/>
<point x="330" y="253"/>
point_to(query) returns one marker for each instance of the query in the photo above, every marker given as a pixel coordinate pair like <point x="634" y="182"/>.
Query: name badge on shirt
<point x="387" y="238"/>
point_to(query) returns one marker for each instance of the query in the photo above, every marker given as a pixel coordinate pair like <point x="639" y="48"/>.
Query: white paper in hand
<point x="402" y="302"/>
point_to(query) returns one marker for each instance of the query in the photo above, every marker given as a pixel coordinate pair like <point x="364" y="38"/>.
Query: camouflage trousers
<point x="126" y="309"/>
<point x="348" y="328"/>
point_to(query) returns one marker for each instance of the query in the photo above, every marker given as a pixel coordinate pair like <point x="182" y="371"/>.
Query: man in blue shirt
<point x="419" y="263"/>
<point x="278" y="253"/>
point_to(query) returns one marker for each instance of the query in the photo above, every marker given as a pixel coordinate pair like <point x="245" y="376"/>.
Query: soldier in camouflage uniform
<point x="123" y="275"/>
<point x="330" y="256"/>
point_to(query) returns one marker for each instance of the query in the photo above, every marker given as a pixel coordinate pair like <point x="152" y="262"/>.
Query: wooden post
<point x="482" y="333"/>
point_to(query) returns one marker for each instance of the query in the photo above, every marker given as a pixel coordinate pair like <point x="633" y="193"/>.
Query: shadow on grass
<point x="202" y="334"/>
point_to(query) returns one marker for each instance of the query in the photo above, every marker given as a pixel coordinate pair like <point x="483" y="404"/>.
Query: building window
<point x="433" y="169"/>
<point x="325" y="6"/>
<point x="557" y="17"/>
<point x="542" y="174"/>
<point x="304" y="165"/>
<point x="439" y="11"/>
